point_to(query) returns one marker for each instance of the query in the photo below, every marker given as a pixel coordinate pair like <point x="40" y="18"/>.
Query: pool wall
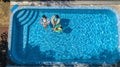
<point x="11" y="38"/>
<point x="119" y="31"/>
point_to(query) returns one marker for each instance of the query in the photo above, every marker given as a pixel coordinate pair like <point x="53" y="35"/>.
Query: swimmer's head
<point x="57" y="16"/>
<point x="43" y="16"/>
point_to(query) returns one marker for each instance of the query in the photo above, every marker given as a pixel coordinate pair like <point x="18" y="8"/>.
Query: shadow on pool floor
<point x="65" y="25"/>
<point x="38" y="55"/>
<point x="9" y="63"/>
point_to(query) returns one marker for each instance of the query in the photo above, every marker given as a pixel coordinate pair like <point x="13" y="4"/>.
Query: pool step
<point x="28" y="18"/>
<point x="24" y="16"/>
<point x="26" y="33"/>
<point x="21" y="13"/>
<point x="33" y="18"/>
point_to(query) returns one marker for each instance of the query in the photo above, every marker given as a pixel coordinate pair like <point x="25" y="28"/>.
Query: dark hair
<point x="57" y="16"/>
<point x="44" y="16"/>
<point x="61" y="27"/>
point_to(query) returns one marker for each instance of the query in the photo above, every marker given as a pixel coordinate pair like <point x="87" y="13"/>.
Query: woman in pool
<point x="55" y="20"/>
<point x="44" y="21"/>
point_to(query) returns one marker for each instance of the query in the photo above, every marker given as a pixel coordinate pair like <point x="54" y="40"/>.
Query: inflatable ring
<point x="59" y="29"/>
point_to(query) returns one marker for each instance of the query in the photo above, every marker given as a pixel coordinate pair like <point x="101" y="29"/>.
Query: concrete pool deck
<point x="113" y="4"/>
<point x="4" y="16"/>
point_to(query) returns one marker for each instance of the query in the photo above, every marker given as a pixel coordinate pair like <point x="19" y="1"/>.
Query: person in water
<point x="55" y="20"/>
<point x="44" y="21"/>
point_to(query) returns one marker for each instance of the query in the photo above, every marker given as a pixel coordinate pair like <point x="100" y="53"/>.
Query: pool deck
<point x="5" y="18"/>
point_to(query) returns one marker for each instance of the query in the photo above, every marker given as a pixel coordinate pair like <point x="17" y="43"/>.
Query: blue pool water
<point x="89" y="36"/>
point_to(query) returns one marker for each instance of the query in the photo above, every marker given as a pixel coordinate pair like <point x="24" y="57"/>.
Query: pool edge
<point x="11" y="24"/>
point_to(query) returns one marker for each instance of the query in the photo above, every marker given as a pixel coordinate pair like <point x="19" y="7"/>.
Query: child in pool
<point x="44" y="21"/>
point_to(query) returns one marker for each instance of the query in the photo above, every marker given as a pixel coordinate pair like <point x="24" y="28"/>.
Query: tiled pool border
<point x="65" y="7"/>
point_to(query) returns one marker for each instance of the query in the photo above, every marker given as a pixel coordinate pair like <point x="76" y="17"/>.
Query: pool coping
<point x="57" y="7"/>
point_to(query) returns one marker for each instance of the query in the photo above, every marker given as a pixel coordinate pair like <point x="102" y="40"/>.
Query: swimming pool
<point x="90" y="35"/>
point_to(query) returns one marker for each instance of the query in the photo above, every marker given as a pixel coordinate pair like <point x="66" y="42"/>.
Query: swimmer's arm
<point x="52" y="19"/>
<point x="41" y="22"/>
<point x="48" y="21"/>
<point x="58" y="20"/>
